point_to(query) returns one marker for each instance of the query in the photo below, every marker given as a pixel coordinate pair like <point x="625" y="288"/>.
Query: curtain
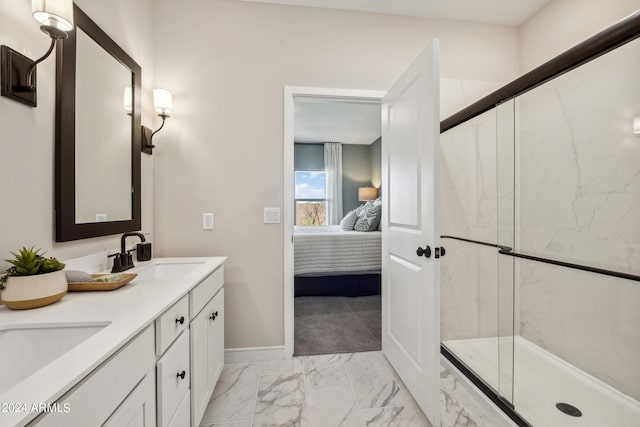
<point x="333" y="176"/>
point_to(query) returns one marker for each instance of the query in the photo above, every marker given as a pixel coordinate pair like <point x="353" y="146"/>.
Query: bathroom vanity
<point x="147" y="354"/>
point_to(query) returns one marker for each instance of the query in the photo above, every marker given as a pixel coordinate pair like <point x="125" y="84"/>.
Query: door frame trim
<point x="290" y="93"/>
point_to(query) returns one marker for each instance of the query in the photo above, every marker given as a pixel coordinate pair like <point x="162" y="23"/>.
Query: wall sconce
<point x="367" y="193"/>
<point x="636" y="125"/>
<point x="163" y="104"/>
<point x="19" y="80"/>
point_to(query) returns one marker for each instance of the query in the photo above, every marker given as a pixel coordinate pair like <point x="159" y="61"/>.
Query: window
<point x="311" y="202"/>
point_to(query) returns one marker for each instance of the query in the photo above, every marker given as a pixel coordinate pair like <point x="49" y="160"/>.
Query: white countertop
<point x="129" y="310"/>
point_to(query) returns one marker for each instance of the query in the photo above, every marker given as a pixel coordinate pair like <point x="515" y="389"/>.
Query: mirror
<point x="97" y="137"/>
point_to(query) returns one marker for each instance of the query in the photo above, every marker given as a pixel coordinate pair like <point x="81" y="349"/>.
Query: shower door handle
<point x="426" y="251"/>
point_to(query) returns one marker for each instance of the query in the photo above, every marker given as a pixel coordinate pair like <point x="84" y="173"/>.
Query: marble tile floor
<point x="354" y="389"/>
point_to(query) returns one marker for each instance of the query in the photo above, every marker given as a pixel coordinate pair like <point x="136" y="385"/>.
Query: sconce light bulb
<point x="57" y="14"/>
<point x="162" y="102"/>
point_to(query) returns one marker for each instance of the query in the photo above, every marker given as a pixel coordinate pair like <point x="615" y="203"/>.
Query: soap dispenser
<point x="143" y="251"/>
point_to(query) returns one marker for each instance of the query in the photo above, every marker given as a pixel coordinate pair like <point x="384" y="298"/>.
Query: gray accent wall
<point x="376" y="164"/>
<point x="308" y="157"/>
<point x="356" y="172"/>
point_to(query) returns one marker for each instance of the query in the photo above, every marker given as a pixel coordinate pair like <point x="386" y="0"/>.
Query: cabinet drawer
<point x="96" y="397"/>
<point x="171" y="324"/>
<point x="182" y="417"/>
<point x="201" y="294"/>
<point x="171" y="384"/>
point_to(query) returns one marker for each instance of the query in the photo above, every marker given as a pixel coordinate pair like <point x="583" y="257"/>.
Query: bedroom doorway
<point x="332" y="277"/>
<point x="410" y="186"/>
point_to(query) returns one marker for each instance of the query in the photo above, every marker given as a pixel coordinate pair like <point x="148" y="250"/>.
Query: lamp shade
<point x="128" y="99"/>
<point x="367" y="193"/>
<point x="636" y="125"/>
<point x="54" y="13"/>
<point x="162" y="101"/>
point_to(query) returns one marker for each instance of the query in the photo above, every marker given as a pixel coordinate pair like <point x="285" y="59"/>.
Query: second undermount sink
<point x="28" y="348"/>
<point x="168" y="270"/>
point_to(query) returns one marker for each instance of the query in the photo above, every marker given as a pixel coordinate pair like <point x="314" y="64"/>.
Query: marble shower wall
<point x="578" y="200"/>
<point x="468" y="210"/>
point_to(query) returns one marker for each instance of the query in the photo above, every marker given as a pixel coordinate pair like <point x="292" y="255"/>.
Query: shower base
<point x="543" y="380"/>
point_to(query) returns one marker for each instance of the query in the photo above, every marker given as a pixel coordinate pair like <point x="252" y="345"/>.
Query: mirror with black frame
<point x="98" y="90"/>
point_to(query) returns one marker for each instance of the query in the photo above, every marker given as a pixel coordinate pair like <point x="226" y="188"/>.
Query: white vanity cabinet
<point x="207" y="341"/>
<point x="112" y="392"/>
<point x="164" y="375"/>
<point x="138" y="409"/>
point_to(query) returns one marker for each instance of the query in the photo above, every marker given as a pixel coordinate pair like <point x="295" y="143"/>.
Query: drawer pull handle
<point x="213" y="316"/>
<point x="180" y="320"/>
<point x="181" y="375"/>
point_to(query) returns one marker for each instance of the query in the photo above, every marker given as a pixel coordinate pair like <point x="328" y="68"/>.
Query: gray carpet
<point x="328" y="325"/>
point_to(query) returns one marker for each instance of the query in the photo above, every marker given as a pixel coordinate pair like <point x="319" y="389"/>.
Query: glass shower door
<point x="474" y="308"/>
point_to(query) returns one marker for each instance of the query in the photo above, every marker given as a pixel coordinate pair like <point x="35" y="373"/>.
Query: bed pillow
<point x="378" y="202"/>
<point x="368" y="218"/>
<point x="359" y="208"/>
<point x="349" y="221"/>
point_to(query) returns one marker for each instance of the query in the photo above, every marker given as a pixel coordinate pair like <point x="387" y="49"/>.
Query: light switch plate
<point x="207" y="221"/>
<point x="272" y="215"/>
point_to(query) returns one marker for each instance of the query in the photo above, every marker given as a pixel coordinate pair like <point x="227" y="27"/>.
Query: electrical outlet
<point x="207" y="221"/>
<point x="272" y="215"/>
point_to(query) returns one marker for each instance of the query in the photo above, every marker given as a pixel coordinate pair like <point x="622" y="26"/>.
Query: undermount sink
<point x="27" y="348"/>
<point x="169" y="270"/>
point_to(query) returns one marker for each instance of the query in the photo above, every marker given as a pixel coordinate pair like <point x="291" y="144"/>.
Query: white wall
<point x="562" y="24"/>
<point x="27" y="141"/>
<point x="227" y="63"/>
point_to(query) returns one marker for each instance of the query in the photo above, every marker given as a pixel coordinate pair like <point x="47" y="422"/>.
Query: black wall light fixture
<point x="18" y="79"/>
<point x="163" y="104"/>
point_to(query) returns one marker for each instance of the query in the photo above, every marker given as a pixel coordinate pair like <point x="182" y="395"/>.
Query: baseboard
<point x="254" y="354"/>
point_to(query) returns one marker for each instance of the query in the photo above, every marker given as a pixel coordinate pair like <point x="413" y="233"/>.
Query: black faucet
<point x="124" y="260"/>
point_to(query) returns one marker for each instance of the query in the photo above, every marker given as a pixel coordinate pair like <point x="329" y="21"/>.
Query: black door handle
<point x="181" y="375"/>
<point x="439" y="252"/>
<point x="426" y="251"/>
<point x="180" y="320"/>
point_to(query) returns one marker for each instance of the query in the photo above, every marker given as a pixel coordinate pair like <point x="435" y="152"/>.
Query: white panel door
<point x="411" y="283"/>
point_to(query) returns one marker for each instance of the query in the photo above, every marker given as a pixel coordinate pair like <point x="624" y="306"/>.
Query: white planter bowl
<point x="24" y="292"/>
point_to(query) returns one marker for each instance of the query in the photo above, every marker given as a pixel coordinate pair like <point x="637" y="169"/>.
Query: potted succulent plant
<point x="32" y="280"/>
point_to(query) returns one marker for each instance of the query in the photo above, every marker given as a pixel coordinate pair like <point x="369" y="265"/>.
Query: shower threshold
<point x="543" y="380"/>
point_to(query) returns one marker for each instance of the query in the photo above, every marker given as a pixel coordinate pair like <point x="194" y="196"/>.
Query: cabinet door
<point x="216" y="341"/>
<point x="94" y="399"/>
<point x="207" y="354"/>
<point x="199" y="330"/>
<point x="139" y="408"/>
<point x="182" y="417"/>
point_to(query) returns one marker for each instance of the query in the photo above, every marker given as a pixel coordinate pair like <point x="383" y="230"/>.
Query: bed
<point x="331" y="261"/>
